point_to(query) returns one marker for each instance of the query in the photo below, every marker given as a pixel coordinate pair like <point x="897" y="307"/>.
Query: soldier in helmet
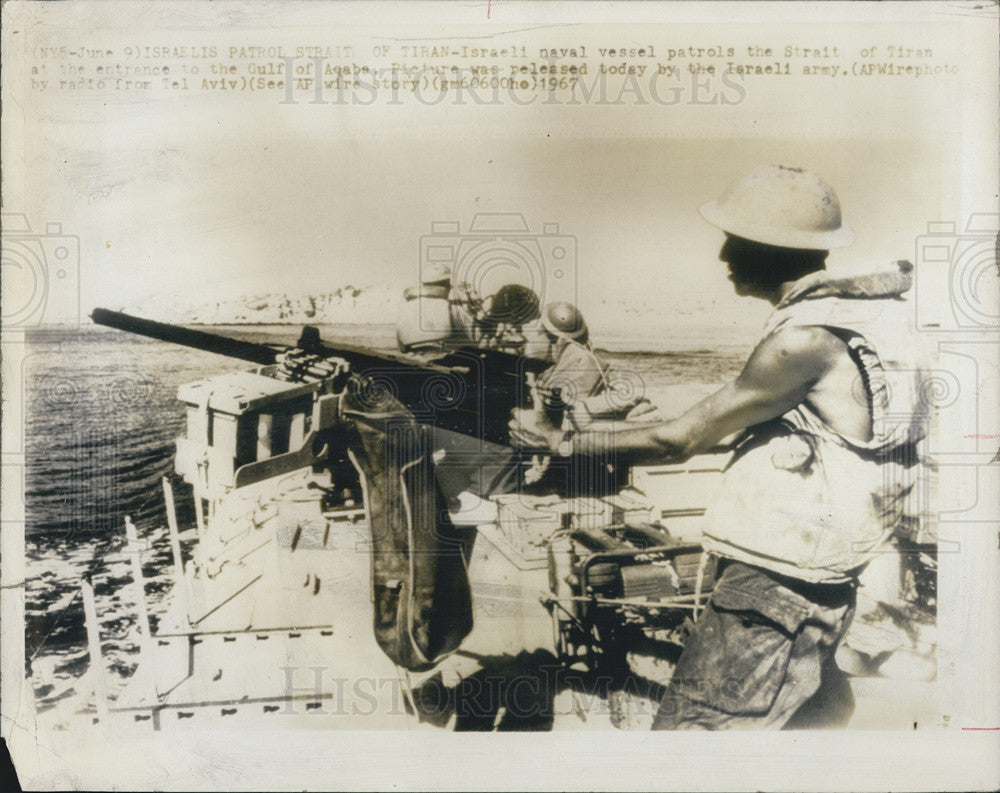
<point x="433" y="315"/>
<point x="500" y="323"/>
<point x="578" y="382"/>
<point x="578" y="389"/>
<point x="576" y="372"/>
<point x="438" y="316"/>
<point x="828" y="413"/>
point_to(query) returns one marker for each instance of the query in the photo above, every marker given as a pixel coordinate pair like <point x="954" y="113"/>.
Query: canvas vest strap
<point x="802" y="499"/>
<point x="420" y="589"/>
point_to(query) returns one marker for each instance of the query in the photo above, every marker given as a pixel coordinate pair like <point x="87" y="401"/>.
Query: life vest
<point x="802" y="499"/>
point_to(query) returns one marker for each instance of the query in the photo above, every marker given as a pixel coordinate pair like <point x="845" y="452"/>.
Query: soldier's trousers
<point x="763" y="647"/>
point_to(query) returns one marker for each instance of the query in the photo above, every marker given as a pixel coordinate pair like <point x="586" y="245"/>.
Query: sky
<point x="216" y="196"/>
<point x="167" y="215"/>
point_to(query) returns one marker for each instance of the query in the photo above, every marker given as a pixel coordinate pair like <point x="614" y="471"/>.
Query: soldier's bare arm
<point x="779" y="375"/>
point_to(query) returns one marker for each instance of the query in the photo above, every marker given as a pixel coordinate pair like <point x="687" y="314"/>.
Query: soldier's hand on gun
<point x="532" y="429"/>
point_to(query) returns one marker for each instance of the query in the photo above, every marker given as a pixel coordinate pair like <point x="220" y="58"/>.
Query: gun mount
<point x="470" y="391"/>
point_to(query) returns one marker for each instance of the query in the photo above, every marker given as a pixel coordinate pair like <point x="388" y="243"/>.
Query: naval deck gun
<point x="285" y="413"/>
<point x="580" y="577"/>
<point x="469" y="390"/>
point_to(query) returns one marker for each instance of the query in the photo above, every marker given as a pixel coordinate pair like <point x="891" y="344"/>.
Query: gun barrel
<point x="487" y="385"/>
<point x="259" y="354"/>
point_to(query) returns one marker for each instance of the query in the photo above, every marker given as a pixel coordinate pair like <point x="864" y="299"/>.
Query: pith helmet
<point x="782" y="206"/>
<point x="564" y="321"/>
<point x="435" y="273"/>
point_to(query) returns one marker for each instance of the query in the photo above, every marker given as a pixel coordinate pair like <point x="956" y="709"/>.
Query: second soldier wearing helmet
<point x="438" y="316"/>
<point x="578" y="383"/>
<point x="500" y="325"/>
<point x="576" y="373"/>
